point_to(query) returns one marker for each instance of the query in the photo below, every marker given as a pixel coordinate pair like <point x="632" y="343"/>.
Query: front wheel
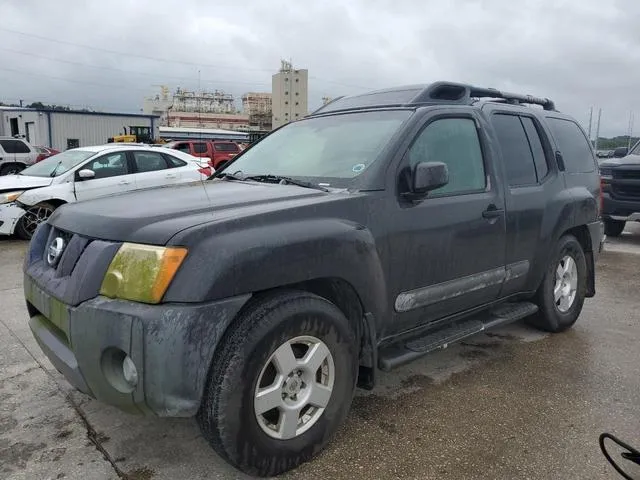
<point x="33" y="217"/>
<point x="561" y="295"/>
<point x="280" y="384"/>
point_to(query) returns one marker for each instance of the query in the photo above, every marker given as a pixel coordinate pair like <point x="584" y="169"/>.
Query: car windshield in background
<point x="635" y="150"/>
<point x="58" y="164"/>
<point x="329" y="149"/>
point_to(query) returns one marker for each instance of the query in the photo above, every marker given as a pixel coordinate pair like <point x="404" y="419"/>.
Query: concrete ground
<point x="513" y="403"/>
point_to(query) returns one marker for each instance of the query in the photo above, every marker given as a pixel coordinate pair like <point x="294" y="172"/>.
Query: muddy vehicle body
<point x="392" y="224"/>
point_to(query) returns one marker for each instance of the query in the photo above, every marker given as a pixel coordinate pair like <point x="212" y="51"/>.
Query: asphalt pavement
<point x="510" y="404"/>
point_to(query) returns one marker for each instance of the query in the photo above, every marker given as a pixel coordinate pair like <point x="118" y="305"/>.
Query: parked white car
<point x="16" y="154"/>
<point x="30" y="197"/>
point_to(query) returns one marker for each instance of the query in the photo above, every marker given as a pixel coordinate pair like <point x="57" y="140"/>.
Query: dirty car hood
<point x="631" y="160"/>
<point x="154" y="216"/>
<point x="10" y="183"/>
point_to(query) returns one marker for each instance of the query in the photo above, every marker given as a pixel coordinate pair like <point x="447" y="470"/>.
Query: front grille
<point x="632" y="174"/>
<point x="74" y="246"/>
<point x="627" y="191"/>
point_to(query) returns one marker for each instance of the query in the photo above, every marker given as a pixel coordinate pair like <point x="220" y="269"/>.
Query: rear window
<point x="226" y="147"/>
<point x="573" y="144"/>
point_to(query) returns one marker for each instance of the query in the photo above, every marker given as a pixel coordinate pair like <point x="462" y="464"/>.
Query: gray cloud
<point x="581" y="53"/>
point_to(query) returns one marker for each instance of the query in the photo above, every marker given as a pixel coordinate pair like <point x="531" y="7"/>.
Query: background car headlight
<point x="10" y="196"/>
<point x="142" y="273"/>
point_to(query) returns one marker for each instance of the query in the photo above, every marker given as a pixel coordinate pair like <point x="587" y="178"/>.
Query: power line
<point x="32" y="74"/>
<point x="82" y="64"/>
<point x="164" y="60"/>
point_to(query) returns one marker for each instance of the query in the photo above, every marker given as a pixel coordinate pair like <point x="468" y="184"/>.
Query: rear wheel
<point x="11" y="169"/>
<point x="33" y="217"/>
<point x="280" y="384"/>
<point x="613" y="228"/>
<point x="561" y="295"/>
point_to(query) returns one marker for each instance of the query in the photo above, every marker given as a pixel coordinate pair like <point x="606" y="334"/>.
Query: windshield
<point x="60" y="163"/>
<point x="330" y="149"/>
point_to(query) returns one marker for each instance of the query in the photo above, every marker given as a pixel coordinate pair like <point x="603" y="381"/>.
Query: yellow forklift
<point x="137" y="134"/>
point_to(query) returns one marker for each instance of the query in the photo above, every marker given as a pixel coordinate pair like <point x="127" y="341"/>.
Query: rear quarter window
<point x="573" y="145"/>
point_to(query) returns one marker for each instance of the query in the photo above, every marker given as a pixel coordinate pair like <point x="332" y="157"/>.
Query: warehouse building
<point x="64" y="129"/>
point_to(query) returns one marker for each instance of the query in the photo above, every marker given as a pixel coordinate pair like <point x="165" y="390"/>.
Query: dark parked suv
<point x="380" y="228"/>
<point x="620" y="178"/>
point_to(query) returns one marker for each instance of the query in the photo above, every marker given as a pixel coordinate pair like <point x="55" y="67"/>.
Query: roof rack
<point x="437" y="92"/>
<point x="466" y="94"/>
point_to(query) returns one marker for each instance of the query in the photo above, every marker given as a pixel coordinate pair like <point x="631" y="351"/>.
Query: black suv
<point x="620" y="178"/>
<point x="380" y="228"/>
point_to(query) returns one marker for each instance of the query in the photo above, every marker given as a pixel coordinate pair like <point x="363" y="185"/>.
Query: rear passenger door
<point x="153" y="170"/>
<point x="533" y="190"/>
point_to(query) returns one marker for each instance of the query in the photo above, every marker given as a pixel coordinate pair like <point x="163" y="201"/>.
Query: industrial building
<point x="290" y="92"/>
<point x="64" y="129"/>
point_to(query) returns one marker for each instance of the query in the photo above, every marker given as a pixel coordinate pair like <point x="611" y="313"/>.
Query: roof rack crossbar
<point x="546" y="103"/>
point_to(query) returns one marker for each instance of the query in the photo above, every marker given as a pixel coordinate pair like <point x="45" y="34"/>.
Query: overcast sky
<point x="580" y="53"/>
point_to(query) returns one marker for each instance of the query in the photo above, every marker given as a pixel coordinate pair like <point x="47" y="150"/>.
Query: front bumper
<point x="621" y="210"/>
<point x="171" y="346"/>
<point x="10" y="213"/>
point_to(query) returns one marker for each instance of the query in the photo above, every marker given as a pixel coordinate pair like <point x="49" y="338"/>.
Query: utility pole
<point x="598" y="129"/>
<point x="630" y="131"/>
<point x="590" y="121"/>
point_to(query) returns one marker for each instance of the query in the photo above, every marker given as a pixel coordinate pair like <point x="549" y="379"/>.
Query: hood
<point x="631" y="160"/>
<point x="154" y="216"/>
<point x="10" y="183"/>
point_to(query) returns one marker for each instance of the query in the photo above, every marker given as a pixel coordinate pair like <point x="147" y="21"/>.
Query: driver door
<point x="112" y="175"/>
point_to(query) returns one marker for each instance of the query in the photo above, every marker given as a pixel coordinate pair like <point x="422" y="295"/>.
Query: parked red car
<point x="218" y="152"/>
<point x="45" y="152"/>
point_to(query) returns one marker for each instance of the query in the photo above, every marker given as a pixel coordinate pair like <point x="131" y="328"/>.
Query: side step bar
<point x="398" y="354"/>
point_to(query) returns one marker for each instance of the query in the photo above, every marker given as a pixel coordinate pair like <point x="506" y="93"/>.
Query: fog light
<point x="129" y="371"/>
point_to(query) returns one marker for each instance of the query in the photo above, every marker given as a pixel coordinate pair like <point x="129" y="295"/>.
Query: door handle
<point x="492" y="212"/>
<point x="170" y="175"/>
<point x="124" y="182"/>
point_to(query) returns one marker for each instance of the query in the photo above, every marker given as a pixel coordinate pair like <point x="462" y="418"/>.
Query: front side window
<point x="331" y="149"/>
<point x="184" y="147"/>
<point x="454" y="142"/>
<point x="109" y="165"/>
<point x="149" y="161"/>
<point x="573" y="144"/>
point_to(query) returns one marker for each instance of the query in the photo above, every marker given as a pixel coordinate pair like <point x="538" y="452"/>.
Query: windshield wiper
<point x="284" y="181"/>
<point x="55" y="170"/>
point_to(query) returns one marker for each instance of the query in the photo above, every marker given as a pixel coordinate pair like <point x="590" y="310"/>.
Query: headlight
<point x="10" y="196"/>
<point x="142" y="273"/>
<point x="606" y="173"/>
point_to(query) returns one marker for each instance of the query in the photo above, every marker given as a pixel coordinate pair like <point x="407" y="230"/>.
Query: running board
<point x="400" y="353"/>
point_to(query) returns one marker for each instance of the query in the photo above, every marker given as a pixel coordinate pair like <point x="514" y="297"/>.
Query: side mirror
<point x="427" y="176"/>
<point x="620" y="152"/>
<point x="86" y="174"/>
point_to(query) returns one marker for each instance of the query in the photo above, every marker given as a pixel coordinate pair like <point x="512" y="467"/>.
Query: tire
<point x="34" y="216"/>
<point x="11" y="169"/>
<point x="228" y="414"/>
<point x="557" y="316"/>
<point x="613" y="228"/>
